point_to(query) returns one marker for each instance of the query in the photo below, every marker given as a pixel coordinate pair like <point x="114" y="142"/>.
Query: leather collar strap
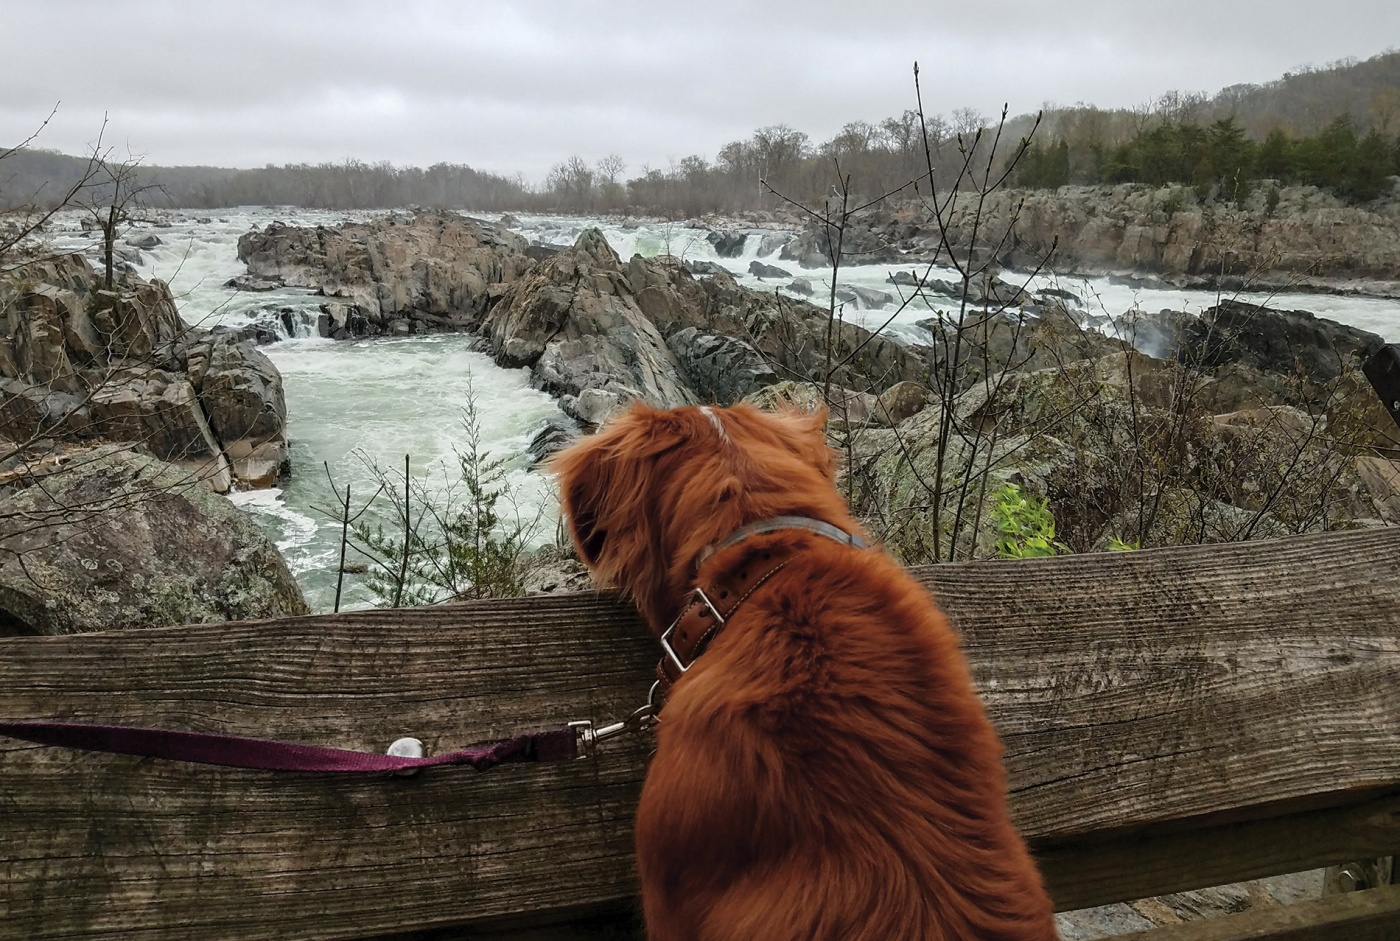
<point x="713" y="602"/>
<point x="785" y="522"/>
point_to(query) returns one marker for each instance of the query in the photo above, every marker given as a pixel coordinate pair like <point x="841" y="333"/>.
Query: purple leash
<point x="236" y="751"/>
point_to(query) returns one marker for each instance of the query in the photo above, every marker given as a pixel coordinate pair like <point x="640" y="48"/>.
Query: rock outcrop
<point x="597" y="333"/>
<point x="109" y="539"/>
<point x="1126" y="447"/>
<point x="575" y="322"/>
<point x="1303" y="237"/>
<point x="430" y="272"/>
<point x="1279" y="341"/>
<point x="80" y="362"/>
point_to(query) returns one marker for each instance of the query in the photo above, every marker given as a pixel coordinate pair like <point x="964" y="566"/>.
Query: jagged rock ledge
<point x="1300" y="238"/>
<point x="594" y="331"/>
<point x="79" y="362"/>
<point x="429" y="272"/>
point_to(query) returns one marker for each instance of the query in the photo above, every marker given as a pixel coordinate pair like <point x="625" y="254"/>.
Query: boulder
<point x="862" y="298"/>
<point x="1381" y="479"/>
<point x="901" y="401"/>
<point x="1060" y="294"/>
<point x="159" y="409"/>
<point x="240" y="391"/>
<point x="146" y="242"/>
<point x="700" y="266"/>
<point x="759" y="270"/>
<point x="554" y="436"/>
<point x="258" y="333"/>
<point x="254" y="282"/>
<point x="1284" y="342"/>
<point x="27" y="410"/>
<point x="728" y="243"/>
<point x="846" y="408"/>
<point x="800" y="286"/>
<point x="721" y="369"/>
<point x="773" y="242"/>
<point x="125" y="541"/>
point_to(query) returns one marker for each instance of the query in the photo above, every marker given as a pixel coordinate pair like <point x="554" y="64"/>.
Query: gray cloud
<point x="518" y="86"/>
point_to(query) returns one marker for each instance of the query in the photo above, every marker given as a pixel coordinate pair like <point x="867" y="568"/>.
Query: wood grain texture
<point x="1088" y="873"/>
<point x="1373" y="915"/>
<point x="1140" y="695"/>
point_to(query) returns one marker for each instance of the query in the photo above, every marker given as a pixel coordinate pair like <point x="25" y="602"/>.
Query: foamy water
<point x="352" y="404"/>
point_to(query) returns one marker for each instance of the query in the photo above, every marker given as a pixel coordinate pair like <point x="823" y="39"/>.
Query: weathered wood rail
<point x="1173" y="719"/>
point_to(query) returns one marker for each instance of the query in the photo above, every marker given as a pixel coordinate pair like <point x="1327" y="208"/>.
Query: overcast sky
<point x="519" y="86"/>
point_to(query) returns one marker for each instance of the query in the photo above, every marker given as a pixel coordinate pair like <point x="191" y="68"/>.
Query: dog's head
<point x="652" y="488"/>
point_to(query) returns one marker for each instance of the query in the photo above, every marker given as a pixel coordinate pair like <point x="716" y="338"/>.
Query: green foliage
<point x="1044" y="167"/>
<point x="1025" y="525"/>
<point x="1220" y="160"/>
<point x="1118" y="545"/>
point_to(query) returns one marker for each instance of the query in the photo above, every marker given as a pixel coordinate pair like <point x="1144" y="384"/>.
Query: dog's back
<point x="825" y="770"/>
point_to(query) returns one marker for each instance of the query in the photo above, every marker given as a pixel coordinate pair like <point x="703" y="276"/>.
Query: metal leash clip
<point x="589" y="737"/>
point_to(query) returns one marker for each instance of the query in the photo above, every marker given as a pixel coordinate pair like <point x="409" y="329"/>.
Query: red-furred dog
<point x="825" y="771"/>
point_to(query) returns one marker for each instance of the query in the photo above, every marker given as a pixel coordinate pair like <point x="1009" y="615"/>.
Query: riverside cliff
<point x="79" y="363"/>
<point x="1297" y="236"/>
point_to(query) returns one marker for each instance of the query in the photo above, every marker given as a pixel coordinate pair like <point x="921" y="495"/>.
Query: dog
<point x="824" y="769"/>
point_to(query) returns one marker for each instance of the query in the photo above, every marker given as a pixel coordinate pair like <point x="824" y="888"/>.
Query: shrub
<point x="1025" y="525"/>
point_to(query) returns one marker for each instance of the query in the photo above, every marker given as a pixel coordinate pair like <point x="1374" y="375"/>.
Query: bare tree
<point x="114" y="202"/>
<point x="24" y="217"/>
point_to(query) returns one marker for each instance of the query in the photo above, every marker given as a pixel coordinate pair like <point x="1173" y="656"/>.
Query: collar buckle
<point x="669" y="651"/>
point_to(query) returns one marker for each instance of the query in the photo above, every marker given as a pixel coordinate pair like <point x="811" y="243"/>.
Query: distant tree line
<point x="775" y="165"/>
<point x="1220" y="158"/>
<point x="37" y="177"/>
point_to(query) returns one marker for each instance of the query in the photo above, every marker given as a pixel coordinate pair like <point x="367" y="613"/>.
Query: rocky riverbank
<point x="79" y="362"/>
<point x="1297" y="237"/>
<point x="100" y="536"/>
<point x="105" y="538"/>
<point x="594" y="331"/>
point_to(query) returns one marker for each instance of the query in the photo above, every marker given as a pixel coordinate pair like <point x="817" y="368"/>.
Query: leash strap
<point x="236" y="751"/>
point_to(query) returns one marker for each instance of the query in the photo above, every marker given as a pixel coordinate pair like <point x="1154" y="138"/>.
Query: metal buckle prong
<point x="719" y="618"/>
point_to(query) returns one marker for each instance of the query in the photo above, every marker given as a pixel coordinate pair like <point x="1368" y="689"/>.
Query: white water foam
<point x="376" y="400"/>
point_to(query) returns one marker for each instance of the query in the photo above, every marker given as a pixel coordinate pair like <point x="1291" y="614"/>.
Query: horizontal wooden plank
<point x="1139" y="694"/>
<point x="1373" y="915"/>
<point x="1087" y="873"/>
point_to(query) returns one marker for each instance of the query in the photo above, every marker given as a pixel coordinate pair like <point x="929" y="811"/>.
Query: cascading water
<point x="351" y="404"/>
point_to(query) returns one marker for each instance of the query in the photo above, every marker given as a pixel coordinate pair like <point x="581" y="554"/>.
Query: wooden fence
<point x="1173" y="719"/>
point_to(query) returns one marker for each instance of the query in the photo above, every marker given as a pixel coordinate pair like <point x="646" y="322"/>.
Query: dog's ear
<point x="602" y="477"/>
<point x="804" y="431"/>
<point x="582" y="475"/>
